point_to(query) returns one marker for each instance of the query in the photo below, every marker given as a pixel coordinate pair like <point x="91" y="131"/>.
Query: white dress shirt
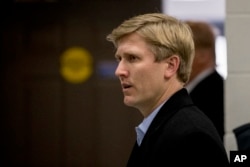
<point x="143" y="127"/>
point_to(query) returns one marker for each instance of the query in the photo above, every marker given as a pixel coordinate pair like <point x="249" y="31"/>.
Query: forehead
<point x="132" y="42"/>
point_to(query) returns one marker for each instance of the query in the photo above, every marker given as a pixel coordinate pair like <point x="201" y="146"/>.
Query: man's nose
<point x="121" y="70"/>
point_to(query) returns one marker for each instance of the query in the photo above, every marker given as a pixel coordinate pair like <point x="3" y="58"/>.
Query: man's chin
<point x="128" y="102"/>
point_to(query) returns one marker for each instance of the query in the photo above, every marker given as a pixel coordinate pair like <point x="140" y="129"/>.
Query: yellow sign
<point x="76" y="65"/>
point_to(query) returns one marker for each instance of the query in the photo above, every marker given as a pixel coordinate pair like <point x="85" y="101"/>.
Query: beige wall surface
<point x="237" y="91"/>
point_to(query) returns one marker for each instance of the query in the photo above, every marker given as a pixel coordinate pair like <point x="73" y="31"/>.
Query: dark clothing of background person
<point x="180" y="135"/>
<point x="208" y="95"/>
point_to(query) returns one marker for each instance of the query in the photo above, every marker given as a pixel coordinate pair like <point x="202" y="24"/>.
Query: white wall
<point x="237" y="90"/>
<point x="208" y="10"/>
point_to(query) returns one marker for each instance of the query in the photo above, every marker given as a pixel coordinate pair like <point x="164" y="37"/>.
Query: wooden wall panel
<point x="47" y="121"/>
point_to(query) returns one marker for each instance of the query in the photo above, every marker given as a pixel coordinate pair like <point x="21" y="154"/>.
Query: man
<point x="155" y="54"/>
<point x="206" y="85"/>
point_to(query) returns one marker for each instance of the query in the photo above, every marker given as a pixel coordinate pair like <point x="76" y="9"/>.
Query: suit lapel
<point x="179" y="100"/>
<point x="171" y="107"/>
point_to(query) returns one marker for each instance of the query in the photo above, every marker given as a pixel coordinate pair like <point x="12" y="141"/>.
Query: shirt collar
<point x="144" y="125"/>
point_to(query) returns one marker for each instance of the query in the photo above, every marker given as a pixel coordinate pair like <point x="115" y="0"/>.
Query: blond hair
<point x="165" y="34"/>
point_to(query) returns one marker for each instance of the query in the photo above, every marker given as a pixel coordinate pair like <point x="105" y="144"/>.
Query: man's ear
<point x="172" y="65"/>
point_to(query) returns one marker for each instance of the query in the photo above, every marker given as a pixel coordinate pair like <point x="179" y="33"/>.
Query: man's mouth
<point x="126" y="86"/>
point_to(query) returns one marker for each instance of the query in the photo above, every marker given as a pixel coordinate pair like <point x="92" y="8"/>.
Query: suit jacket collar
<point x="177" y="101"/>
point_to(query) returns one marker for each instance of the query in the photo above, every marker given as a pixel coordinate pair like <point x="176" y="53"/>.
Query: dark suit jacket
<point x="179" y="135"/>
<point x="208" y="95"/>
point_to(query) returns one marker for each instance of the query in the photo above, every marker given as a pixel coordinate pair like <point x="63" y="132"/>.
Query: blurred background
<point x="61" y="105"/>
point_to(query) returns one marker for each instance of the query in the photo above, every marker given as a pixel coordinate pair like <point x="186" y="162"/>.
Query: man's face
<point x="142" y="79"/>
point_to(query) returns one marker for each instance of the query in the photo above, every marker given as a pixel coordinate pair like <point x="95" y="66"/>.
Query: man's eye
<point x="132" y="58"/>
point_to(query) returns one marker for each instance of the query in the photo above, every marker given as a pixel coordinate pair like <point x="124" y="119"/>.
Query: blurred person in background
<point x="206" y="85"/>
<point x="155" y="53"/>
